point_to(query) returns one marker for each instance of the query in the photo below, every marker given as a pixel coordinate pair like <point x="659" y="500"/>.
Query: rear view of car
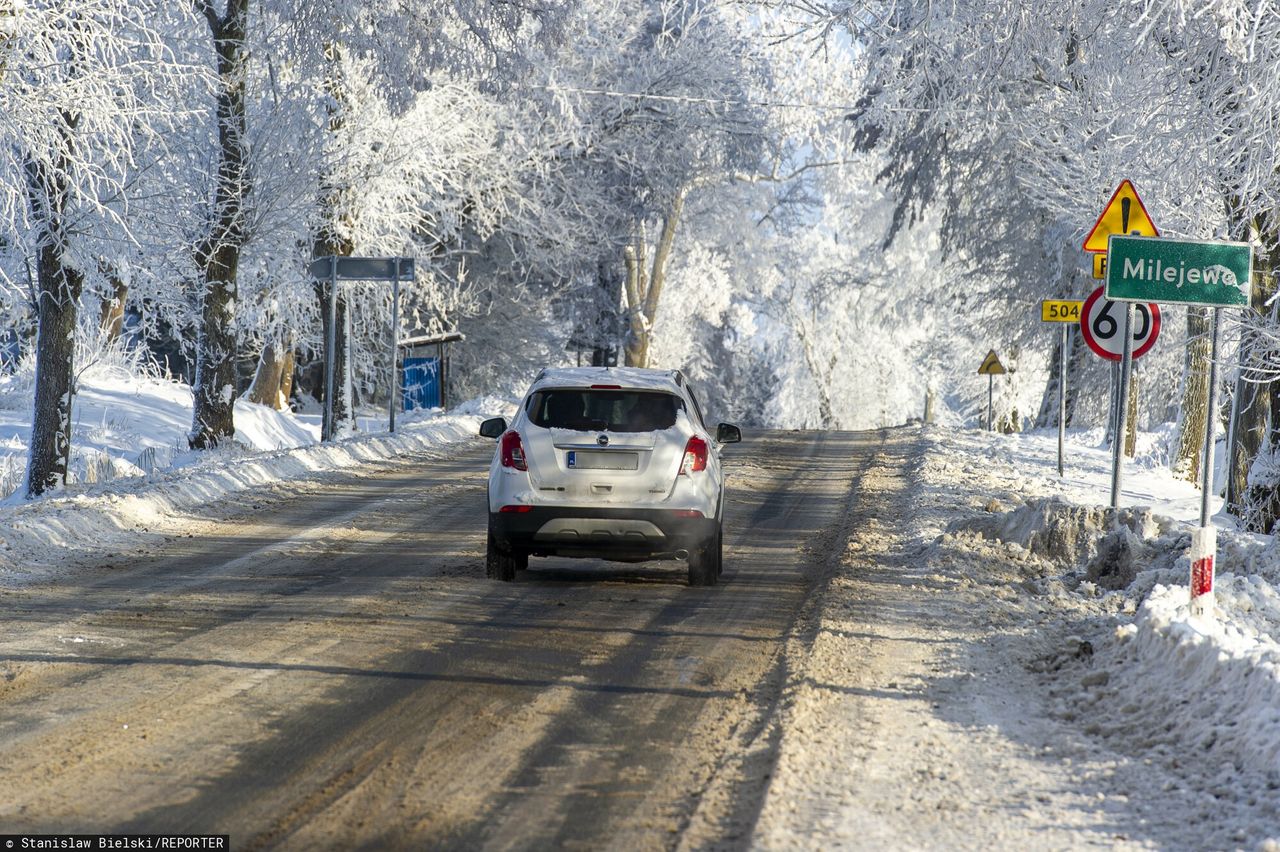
<point x="608" y="463"/>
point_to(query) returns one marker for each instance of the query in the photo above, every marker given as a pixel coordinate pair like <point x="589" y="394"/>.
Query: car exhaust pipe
<point x="682" y="555"/>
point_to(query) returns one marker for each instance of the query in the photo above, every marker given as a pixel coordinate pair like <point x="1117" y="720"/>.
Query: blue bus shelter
<point x="424" y="370"/>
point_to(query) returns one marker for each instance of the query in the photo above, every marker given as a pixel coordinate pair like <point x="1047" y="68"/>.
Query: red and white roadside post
<point x="1204" y="541"/>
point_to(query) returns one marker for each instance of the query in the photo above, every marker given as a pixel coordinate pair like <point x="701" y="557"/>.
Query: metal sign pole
<point x="1204" y="540"/>
<point x="330" y="355"/>
<point x="1206" y="465"/>
<point x="1062" y="400"/>
<point x="990" y="384"/>
<point x="1122" y="407"/>
<point x="395" y="346"/>
<point x="1113" y="379"/>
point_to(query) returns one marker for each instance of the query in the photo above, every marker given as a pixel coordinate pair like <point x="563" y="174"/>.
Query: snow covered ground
<point x="129" y="423"/>
<point x="1007" y="664"/>
<point x="132" y="472"/>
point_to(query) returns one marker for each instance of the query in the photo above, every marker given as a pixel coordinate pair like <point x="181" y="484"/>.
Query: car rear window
<point x="588" y="410"/>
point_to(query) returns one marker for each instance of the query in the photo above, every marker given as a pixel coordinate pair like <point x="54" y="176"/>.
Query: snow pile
<point x="1056" y="529"/>
<point x="126" y="422"/>
<point x="1129" y="663"/>
<point x="1214" y="684"/>
<point x="42" y="538"/>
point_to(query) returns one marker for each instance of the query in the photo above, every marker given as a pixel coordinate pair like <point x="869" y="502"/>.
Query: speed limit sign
<point x="1102" y="324"/>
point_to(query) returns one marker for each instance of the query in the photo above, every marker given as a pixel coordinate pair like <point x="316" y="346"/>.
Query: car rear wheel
<point x="705" y="562"/>
<point x="501" y="564"/>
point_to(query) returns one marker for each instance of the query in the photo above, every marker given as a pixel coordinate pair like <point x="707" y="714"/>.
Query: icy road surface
<point x="329" y="668"/>
<point x="324" y="666"/>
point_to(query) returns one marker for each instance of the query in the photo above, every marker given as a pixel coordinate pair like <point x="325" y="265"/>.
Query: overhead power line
<point x="693" y="99"/>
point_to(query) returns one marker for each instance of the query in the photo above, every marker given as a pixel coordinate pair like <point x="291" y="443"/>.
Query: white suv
<point x="610" y="463"/>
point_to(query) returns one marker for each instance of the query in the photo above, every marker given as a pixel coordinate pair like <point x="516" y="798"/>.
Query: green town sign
<point x="1190" y="272"/>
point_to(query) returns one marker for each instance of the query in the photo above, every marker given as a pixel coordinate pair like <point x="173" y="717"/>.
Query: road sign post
<point x="1062" y="402"/>
<point x="1063" y="311"/>
<point x="330" y="350"/>
<point x="1205" y="540"/>
<point x="1216" y="273"/>
<point x="395" y="350"/>
<point x="1124" y="214"/>
<point x="1122" y="408"/>
<point x="336" y="269"/>
<point x="991" y="367"/>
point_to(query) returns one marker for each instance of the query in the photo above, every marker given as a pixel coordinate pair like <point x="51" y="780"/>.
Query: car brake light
<point x="606" y="387"/>
<point x="695" y="456"/>
<point x="515" y="510"/>
<point x="513" y="451"/>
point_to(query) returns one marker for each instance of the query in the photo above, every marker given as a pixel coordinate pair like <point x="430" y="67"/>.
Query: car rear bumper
<point x="600" y="533"/>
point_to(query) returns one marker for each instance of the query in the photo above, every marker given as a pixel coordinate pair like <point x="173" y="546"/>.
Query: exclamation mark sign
<point x="1125" y="204"/>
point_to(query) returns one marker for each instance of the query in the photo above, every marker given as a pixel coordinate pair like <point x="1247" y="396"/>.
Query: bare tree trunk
<point x="112" y="318"/>
<point x="1260" y="501"/>
<point x="1251" y="428"/>
<point x="58" y="290"/>
<point x="342" y="414"/>
<point x="265" y="388"/>
<point x="327" y="242"/>
<point x="637" y="285"/>
<point x="212" y="418"/>
<point x="649" y="294"/>
<point x="286" y="377"/>
<point x="1048" y="414"/>
<point x="57" y="293"/>
<point x="1131" y="418"/>
<point x="1077" y="355"/>
<point x="1195" y="396"/>
<point x="821" y="380"/>
<point x="606" y="299"/>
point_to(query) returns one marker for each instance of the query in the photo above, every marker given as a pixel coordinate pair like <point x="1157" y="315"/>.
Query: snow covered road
<point x="328" y="668"/>
<point x="903" y="654"/>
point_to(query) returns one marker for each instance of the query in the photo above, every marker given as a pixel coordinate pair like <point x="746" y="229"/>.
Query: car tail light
<point x="695" y="456"/>
<point x="513" y="451"/>
<point x="515" y="510"/>
<point x="687" y="513"/>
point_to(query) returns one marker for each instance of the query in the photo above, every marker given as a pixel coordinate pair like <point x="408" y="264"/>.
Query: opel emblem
<point x="603" y="440"/>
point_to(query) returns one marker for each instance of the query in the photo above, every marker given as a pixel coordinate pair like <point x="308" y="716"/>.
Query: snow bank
<point x="1198" y="696"/>
<point x="1214" y="684"/>
<point x="128" y="423"/>
<point x="42" y="538"/>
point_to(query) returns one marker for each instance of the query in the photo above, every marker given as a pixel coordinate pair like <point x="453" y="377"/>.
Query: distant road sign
<point x="1124" y="214"/>
<point x="991" y="365"/>
<point x="1060" y="310"/>
<point x="1189" y="272"/>
<point x="1099" y="266"/>
<point x="1102" y="324"/>
<point x="364" y="268"/>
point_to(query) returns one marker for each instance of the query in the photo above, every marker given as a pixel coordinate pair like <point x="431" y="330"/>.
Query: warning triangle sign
<point x="991" y="365"/>
<point x="1124" y="214"/>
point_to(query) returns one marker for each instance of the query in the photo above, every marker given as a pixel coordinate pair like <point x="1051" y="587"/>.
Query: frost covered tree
<point x="80" y="87"/>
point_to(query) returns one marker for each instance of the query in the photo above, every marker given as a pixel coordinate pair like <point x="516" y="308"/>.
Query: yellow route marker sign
<point x="1100" y="266"/>
<point x="991" y="365"/>
<point x="1124" y="215"/>
<point x="1060" y="310"/>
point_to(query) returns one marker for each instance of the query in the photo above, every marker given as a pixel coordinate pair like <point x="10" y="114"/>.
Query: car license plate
<point x="608" y="460"/>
